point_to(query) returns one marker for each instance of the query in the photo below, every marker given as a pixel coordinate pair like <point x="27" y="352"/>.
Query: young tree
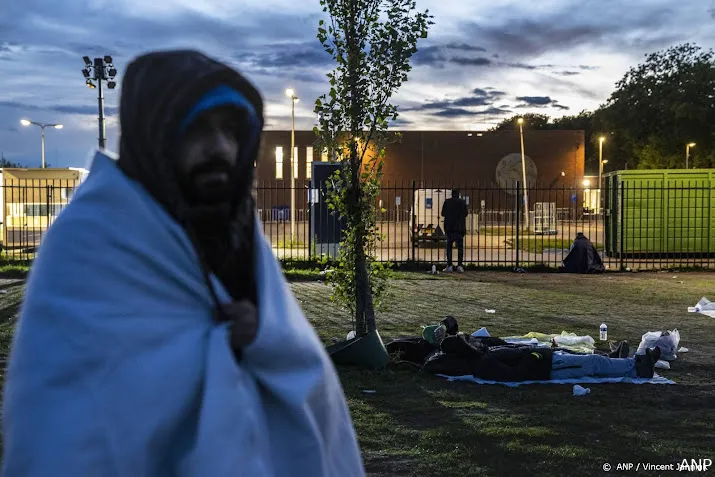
<point x="371" y="42"/>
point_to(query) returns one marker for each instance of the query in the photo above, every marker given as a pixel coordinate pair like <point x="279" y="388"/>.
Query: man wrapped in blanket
<point x="158" y="336"/>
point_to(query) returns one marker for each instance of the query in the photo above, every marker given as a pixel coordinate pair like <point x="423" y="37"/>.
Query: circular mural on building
<point x="509" y="171"/>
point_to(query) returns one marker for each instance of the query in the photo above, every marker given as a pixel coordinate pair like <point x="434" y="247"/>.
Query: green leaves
<point x="371" y="42"/>
<point x="663" y="104"/>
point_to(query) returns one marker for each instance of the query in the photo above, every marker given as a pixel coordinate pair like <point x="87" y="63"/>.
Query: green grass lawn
<point x="537" y="244"/>
<point x="419" y="425"/>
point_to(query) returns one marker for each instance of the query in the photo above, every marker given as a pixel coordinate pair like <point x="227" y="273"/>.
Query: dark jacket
<point x="455" y="212"/>
<point x="583" y="257"/>
<point x="491" y="359"/>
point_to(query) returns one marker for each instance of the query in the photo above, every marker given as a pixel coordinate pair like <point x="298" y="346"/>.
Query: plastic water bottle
<point x="604" y="332"/>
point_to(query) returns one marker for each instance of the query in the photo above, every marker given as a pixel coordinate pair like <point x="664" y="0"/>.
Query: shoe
<point x="656" y="354"/>
<point x="460" y="269"/>
<point x="645" y="363"/>
<point x="449" y="269"/>
<point x="620" y="351"/>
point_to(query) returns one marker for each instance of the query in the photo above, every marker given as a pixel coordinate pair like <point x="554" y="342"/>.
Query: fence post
<point x="412" y="221"/>
<point x="309" y="216"/>
<point x="621" y="223"/>
<point x="518" y="220"/>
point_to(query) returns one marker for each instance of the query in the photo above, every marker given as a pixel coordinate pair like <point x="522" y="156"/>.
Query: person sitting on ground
<point x="455" y="212"/>
<point x="158" y="334"/>
<point x="583" y="257"/>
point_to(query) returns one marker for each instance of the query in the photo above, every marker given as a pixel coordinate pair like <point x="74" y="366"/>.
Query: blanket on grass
<point x="586" y="380"/>
<point x="570" y="341"/>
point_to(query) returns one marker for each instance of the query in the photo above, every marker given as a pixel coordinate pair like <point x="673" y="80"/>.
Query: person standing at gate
<point x="455" y="212"/>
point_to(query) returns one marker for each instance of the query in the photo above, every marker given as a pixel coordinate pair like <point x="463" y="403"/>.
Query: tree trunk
<point x="364" y="308"/>
<point x="363" y="297"/>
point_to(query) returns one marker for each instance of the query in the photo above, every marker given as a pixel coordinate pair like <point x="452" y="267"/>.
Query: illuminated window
<point x="308" y="162"/>
<point x="279" y="162"/>
<point x="295" y="162"/>
<point x="66" y="192"/>
<point x="324" y="155"/>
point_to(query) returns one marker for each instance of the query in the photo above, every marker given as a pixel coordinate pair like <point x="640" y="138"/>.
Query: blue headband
<point x="222" y="96"/>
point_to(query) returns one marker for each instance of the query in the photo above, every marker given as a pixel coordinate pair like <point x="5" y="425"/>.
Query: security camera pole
<point x="101" y="69"/>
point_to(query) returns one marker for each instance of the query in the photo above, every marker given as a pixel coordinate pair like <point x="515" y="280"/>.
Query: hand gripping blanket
<point x="119" y="370"/>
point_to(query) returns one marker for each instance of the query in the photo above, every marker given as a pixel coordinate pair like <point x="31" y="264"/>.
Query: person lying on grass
<point x="510" y="363"/>
<point x="448" y="352"/>
<point x="158" y="336"/>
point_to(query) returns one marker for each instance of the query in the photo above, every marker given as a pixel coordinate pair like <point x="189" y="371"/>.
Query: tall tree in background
<point x="592" y="125"/>
<point x="657" y="108"/>
<point x="534" y="120"/>
<point x="663" y="104"/>
<point x="371" y="42"/>
<point x="589" y="122"/>
<point x="8" y="163"/>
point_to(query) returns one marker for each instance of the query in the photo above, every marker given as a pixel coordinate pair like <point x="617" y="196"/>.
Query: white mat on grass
<point x="585" y="380"/>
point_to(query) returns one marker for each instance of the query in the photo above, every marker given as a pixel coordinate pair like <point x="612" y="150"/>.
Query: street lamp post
<point x="294" y="99"/>
<point x="99" y="70"/>
<point x="601" y="140"/>
<point x="523" y="172"/>
<point x="26" y="122"/>
<point x="687" y="154"/>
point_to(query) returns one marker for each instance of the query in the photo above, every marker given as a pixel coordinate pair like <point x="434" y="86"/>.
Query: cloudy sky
<point x="484" y="59"/>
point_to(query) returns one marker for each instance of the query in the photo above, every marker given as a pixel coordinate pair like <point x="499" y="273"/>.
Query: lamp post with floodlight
<point x="101" y="70"/>
<point x="293" y="169"/>
<point x="26" y="122"/>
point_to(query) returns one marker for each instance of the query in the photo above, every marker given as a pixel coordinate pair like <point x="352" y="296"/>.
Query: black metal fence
<point x="639" y="226"/>
<point x="648" y="226"/>
<point x="29" y="207"/>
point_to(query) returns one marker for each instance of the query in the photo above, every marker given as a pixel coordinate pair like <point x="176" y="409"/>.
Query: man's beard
<point x="210" y="184"/>
<point x="222" y="218"/>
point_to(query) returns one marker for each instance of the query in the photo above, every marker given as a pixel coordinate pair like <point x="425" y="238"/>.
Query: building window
<point x="66" y="192"/>
<point x="308" y="162"/>
<point x="42" y="210"/>
<point x="279" y="162"/>
<point x="295" y="162"/>
<point x="324" y="155"/>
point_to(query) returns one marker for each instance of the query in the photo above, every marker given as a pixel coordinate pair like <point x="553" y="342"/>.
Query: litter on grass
<point x="704" y="307"/>
<point x="662" y="364"/>
<point x="580" y="390"/>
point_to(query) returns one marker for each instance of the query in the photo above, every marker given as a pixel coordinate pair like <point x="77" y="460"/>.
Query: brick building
<point x="488" y="164"/>
<point x="440" y="156"/>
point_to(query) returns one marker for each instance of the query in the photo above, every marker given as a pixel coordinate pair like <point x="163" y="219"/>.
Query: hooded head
<point x="190" y="133"/>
